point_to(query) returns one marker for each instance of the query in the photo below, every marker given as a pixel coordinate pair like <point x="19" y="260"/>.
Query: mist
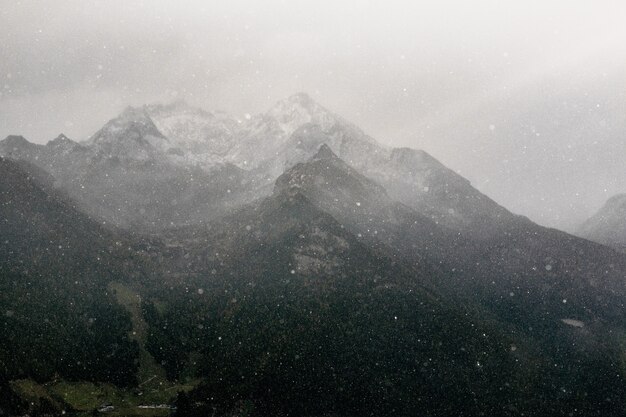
<point x="525" y="99"/>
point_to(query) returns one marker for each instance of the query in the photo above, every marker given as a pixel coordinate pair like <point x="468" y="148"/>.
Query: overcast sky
<point x="527" y="99"/>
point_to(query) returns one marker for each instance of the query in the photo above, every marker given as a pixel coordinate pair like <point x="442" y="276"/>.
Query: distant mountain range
<point x="608" y="225"/>
<point x="160" y="166"/>
<point x="288" y="264"/>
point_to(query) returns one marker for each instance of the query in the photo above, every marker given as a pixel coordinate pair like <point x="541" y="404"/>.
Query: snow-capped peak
<point x="133" y="123"/>
<point x="131" y="135"/>
<point x="298" y="110"/>
<point x="199" y="134"/>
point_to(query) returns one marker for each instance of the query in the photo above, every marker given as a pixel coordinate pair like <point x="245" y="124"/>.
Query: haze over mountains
<point x="238" y="160"/>
<point x="289" y="264"/>
<point x="608" y="225"/>
<point x="526" y="116"/>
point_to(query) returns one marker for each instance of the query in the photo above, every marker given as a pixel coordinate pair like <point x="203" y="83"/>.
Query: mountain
<point x="273" y="139"/>
<point x="293" y="130"/>
<point x="165" y="146"/>
<point x="365" y="208"/>
<point x="403" y="196"/>
<point x="608" y="225"/>
<point x="533" y="262"/>
<point x="63" y="144"/>
<point x="17" y="147"/>
<point x="420" y="181"/>
<point x="203" y="138"/>
<point x="126" y="175"/>
<point x="58" y="319"/>
<point x="551" y="299"/>
<point x="130" y="136"/>
<point x="300" y="316"/>
<point x="294" y="266"/>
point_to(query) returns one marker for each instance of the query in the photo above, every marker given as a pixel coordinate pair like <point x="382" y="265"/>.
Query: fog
<point x="525" y="99"/>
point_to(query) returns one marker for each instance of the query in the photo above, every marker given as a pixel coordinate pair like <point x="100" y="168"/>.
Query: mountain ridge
<point x="263" y="148"/>
<point x="608" y="225"/>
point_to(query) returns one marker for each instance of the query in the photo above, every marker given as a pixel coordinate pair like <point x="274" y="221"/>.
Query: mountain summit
<point x="297" y="110"/>
<point x="131" y="135"/>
